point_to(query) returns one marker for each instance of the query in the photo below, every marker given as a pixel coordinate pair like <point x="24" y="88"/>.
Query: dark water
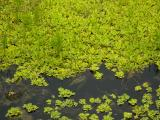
<point x="85" y="86"/>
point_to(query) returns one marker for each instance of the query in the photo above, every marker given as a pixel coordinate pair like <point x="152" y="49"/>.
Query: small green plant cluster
<point x="145" y="85"/>
<point x="54" y="113"/>
<point x="158" y="104"/>
<point x="39" y="82"/>
<point x="87" y="116"/>
<point x="93" y="117"/>
<point x="66" y="103"/>
<point x="103" y="107"/>
<point x="158" y="92"/>
<point x="138" y="88"/>
<point x="147" y="99"/>
<point x="98" y="75"/>
<point x="144" y="111"/>
<point x="30" y="107"/>
<point x="65" y="93"/>
<point x="14" y="112"/>
<point x="132" y="101"/>
<point x="122" y="99"/>
<point x="108" y="116"/>
<point x="82" y="101"/>
<point x="127" y="115"/>
<point x="120" y="74"/>
<point x="62" y="101"/>
<point x="87" y="107"/>
<point x="95" y="100"/>
<point x="83" y="116"/>
<point x="49" y="101"/>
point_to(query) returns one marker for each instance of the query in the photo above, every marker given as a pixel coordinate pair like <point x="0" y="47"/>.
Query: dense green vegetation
<point x="61" y="38"/>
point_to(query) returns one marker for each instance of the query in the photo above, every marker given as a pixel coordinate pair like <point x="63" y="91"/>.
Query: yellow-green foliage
<point x="30" y="107"/>
<point x="14" y="112"/>
<point x="63" y="37"/>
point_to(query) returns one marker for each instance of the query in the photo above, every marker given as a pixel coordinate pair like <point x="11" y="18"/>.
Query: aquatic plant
<point x="108" y="116"/>
<point x="14" y="112"/>
<point x="119" y="74"/>
<point x="91" y="100"/>
<point x="107" y="100"/>
<point x="122" y="99"/>
<point x="49" y="101"/>
<point x="30" y="107"/>
<point x="144" y="118"/>
<point x="64" y="118"/>
<point x="158" y="91"/>
<point x="139" y="110"/>
<point x="94" y="67"/>
<point x="83" y="116"/>
<point x="87" y="107"/>
<point x="152" y="114"/>
<point x="103" y="107"/>
<point x="98" y="75"/>
<point x="93" y="117"/>
<point x="48" y="110"/>
<point x="157" y="104"/>
<point x="39" y="82"/>
<point x="149" y="89"/>
<point x="70" y="103"/>
<point x="55" y="114"/>
<point x="65" y="93"/>
<point x="138" y="88"/>
<point x="95" y="100"/>
<point x="127" y="115"/>
<point x="59" y="103"/>
<point x="147" y="99"/>
<point x="66" y="103"/>
<point x="132" y="101"/>
<point x="82" y="101"/>
<point x="145" y="84"/>
<point x="113" y="96"/>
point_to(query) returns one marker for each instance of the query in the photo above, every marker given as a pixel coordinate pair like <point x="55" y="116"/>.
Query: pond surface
<point x="85" y="86"/>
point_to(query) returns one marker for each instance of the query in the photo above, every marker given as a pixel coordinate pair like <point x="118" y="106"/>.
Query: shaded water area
<point x="85" y="86"/>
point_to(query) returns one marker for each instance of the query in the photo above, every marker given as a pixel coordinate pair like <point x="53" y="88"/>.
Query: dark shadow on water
<point x="85" y="86"/>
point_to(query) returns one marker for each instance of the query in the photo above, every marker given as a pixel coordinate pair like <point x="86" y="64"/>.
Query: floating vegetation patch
<point x="14" y="112"/>
<point x="63" y="38"/>
<point x="30" y="107"/>
<point x="96" y="108"/>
